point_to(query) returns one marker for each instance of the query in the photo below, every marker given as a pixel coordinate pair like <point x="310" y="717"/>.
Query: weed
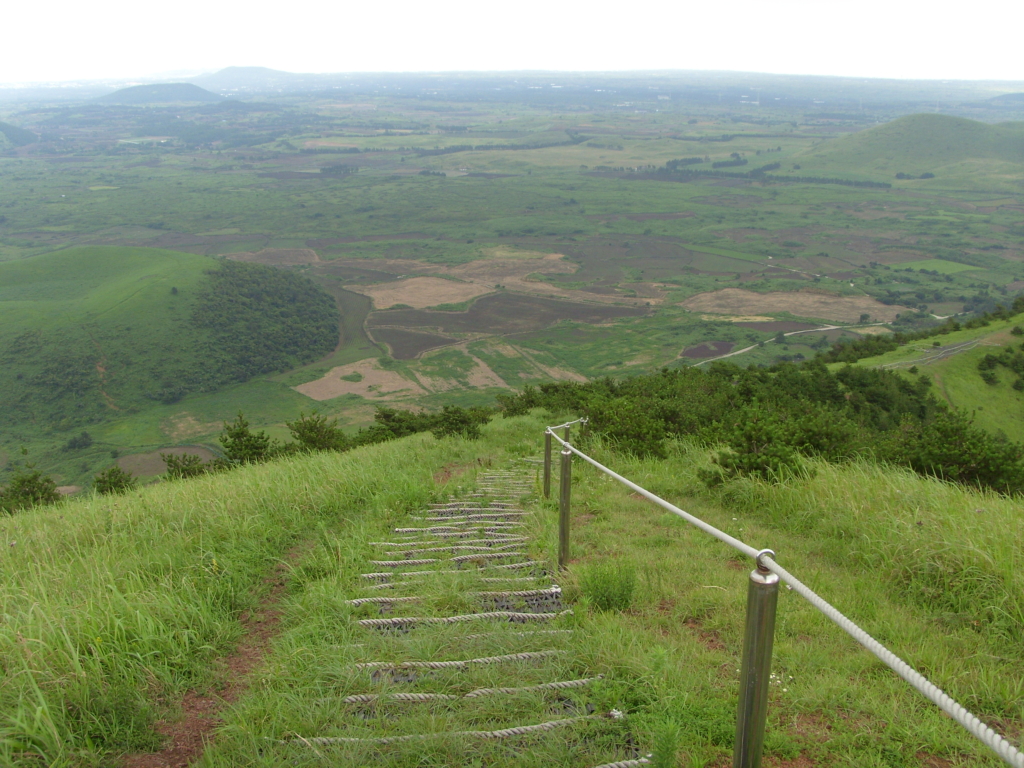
<point x="609" y="585"/>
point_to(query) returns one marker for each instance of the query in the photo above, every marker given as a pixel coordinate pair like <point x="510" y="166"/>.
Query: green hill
<point x="239" y="587"/>
<point x="19" y="137"/>
<point x="160" y="93"/>
<point x="953" y="367"/>
<point x="91" y="334"/>
<point x="919" y="144"/>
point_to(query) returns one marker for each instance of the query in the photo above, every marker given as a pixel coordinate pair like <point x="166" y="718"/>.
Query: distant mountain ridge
<point x="257" y="79"/>
<point x="160" y="93"/>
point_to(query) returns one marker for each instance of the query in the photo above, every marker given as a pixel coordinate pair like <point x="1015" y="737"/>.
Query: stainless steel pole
<point x="565" y="489"/>
<point x="547" y="464"/>
<point x="755" y="671"/>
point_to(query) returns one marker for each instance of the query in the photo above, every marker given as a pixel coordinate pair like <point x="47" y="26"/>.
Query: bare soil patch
<point x="277" y="257"/>
<point x="150" y="464"/>
<point x="708" y="349"/>
<point x="68" y="490"/>
<point x="374" y="382"/>
<point x="508" y="268"/>
<point x="730" y="201"/>
<point x="483" y="375"/>
<point x="847" y="309"/>
<point x="406" y="344"/>
<point x="778" y="325"/>
<point x="502" y="313"/>
<point x="709" y="638"/>
<point x="184" y="425"/>
<point x="186" y="738"/>
<point x="448" y="471"/>
<point x="739" y="318"/>
<point x="420" y="292"/>
<point x="874" y="330"/>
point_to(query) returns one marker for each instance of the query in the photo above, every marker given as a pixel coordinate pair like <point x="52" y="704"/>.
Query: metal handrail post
<point x="755" y="671"/>
<point x="565" y="489"/>
<point x="547" y="464"/>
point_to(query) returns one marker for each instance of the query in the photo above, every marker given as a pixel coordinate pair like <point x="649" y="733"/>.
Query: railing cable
<point x="764" y="559"/>
<point x="706" y="527"/>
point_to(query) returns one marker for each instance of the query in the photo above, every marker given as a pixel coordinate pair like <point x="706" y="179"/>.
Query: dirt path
<point x="187" y="737"/>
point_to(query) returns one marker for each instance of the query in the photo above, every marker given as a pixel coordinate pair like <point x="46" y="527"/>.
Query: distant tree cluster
<point x="730" y="163"/>
<point x="911" y="176"/>
<point x="338" y="170"/>
<point x="676" y="169"/>
<point x="769" y="419"/>
<point x="316" y="433"/>
<point x="574" y="138"/>
<point x="262" y="320"/>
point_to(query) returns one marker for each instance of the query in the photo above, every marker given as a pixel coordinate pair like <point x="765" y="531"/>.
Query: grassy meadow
<point x="94" y="655"/>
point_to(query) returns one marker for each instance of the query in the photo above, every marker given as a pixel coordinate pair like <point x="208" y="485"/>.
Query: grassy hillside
<point x="16" y="136"/>
<point x="90" y="336"/>
<point x="115" y="607"/>
<point x="953" y="367"/>
<point x="924" y="143"/>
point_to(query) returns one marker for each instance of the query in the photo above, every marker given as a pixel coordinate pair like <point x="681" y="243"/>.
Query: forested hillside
<point x="90" y="333"/>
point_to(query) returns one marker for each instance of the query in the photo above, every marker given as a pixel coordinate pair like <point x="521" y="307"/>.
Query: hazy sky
<point x="62" y="40"/>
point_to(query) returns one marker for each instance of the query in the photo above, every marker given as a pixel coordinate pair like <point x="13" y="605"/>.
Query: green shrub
<point x="949" y="446"/>
<point x="757" y="446"/>
<point x="184" y="467"/>
<point x="28" y="488"/>
<point x="243" y="446"/>
<point x="114" y="480"/>
<point x="630" y="426"/>
<point x="78" y="442"/>
<point x="454" y="421"/>
<point x="316" y="433"/>
<point x="609" y="585"/>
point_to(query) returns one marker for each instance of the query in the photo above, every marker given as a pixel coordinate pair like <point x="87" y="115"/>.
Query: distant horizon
<point x="183" y="76"/>
<point x="69" y="42"/>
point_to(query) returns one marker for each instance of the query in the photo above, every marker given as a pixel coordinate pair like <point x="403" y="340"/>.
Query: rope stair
<point x="477" y="539"/>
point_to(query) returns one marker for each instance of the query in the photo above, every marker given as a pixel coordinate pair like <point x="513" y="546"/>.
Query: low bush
<point x="28" y="488"/>
<point x="114" y="480"/>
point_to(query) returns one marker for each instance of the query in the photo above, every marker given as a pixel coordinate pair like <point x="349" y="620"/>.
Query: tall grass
<point x="122" y="602"/>
<point x="111" y="603"/>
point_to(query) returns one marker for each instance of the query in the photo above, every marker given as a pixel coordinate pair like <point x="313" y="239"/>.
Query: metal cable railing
<point x="758" y="637"/>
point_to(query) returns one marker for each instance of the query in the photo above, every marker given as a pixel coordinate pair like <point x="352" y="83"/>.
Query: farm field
<point x="472" y="245"/>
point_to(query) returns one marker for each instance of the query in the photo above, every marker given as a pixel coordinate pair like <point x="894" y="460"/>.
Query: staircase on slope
<point x="466" y="650"/>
